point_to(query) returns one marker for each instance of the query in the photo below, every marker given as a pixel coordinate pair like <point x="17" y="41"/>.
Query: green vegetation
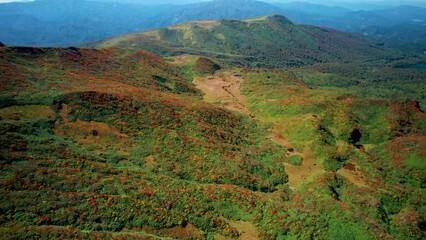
<point x="415" y="161"/>
<point x="374" y="79"/>
<point x="206" y="66"/>
<point x="384" y="138"/>
<point x="269" y="42"/>
<point x="100" y="160"/>
<point x="295" y="160"/>
<point x="117" y="143"/>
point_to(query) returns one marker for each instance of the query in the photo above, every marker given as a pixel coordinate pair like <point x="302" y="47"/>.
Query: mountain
<point x="215" y="10"/>
<point x="271" y="41"/>
<point x="310" y="9"/>
<point x="349" y="20"/>
<point x="359" y="20"/>
<point x="69" y="22"/>
<point x="73" y="22"/>
<point x="409" y="37"/>
<point x="382" y="24"/>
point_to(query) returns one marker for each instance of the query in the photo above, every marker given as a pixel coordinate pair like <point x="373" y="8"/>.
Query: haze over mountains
<point x="73" y="22"/>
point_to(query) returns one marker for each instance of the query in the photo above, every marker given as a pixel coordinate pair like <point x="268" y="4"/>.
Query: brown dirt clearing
<point x="224" y="91"/>
<point x="96" y="133"/>
<point x="246" y="230"/>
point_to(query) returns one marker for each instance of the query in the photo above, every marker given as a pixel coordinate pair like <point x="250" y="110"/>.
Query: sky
<point x="184" y="1"/>
<point x="5" y="1"/>
<point x="328" y="2"/>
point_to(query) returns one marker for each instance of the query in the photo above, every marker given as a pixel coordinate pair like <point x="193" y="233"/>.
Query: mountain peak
<point x="271" y="19"/>
<point x="279" y="18"/>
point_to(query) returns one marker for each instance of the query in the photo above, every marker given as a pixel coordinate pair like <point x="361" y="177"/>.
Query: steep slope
<point x="45" y="72"/>
<point x="271" y="41"/>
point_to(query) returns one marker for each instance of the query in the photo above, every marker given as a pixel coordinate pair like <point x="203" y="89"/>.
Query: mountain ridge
<point x="269" y="41"/>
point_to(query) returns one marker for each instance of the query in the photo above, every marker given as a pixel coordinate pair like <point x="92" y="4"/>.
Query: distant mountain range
<point x="74" y="22"/>
<point x="69" y="22"/>
<point x="214" y="10"/>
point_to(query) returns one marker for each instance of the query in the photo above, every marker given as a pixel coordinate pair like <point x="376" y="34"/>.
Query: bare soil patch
<point x="246" y="230"/>
<point x="96" y="133"/>
<point x="225" y="91"/>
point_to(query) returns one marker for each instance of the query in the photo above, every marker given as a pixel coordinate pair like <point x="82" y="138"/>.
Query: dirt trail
<point x="225" y="91"/>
